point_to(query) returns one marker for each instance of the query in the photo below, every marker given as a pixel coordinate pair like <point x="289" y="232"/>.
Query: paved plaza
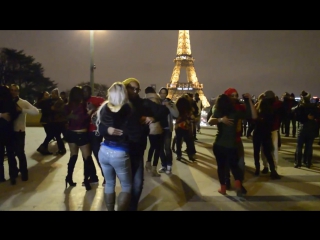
<point x="191" y="187"/>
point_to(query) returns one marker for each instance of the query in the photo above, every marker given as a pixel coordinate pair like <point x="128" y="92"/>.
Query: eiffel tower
<point x="185" y="60"/>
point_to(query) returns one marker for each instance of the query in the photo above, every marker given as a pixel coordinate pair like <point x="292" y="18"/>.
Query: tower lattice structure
<point x="184" y="60"/>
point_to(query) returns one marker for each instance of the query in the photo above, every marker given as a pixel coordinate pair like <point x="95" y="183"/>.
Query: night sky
<point x="250" y="61"/>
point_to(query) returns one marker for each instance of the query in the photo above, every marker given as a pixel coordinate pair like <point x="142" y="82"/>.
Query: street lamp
<point x="92" y="65"/>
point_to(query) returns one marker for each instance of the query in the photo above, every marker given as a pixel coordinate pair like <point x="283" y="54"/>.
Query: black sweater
<point x="137" y="132"/>
<point x="6" y="128"/>
<point x="117" y="120"/>
<point x="144" y="107"/>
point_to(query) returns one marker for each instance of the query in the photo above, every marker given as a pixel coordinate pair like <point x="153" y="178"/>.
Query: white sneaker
<point x="162" y="170"/>
<point x="168" y="171"/>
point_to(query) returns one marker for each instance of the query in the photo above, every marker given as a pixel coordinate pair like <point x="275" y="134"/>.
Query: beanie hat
<point x="305" y="96"/>
<point x="229" y="91"/>
<point x="303" y="93"/>
<point x="129" y="80"/>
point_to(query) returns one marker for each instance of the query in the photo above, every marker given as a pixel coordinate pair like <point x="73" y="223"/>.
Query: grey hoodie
<point x="155" y="128"/>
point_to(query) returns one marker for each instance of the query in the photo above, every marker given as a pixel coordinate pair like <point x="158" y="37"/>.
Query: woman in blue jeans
<point x="113" y="154"/>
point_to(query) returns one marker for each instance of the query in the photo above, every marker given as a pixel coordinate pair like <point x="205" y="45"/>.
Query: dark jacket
<point x="58" y="111"/>
<point x="143" y="108"/>
<point x="307" y="127"/>
<point x="288" y="104"/>
<point x="137" y="130"/>
<point x="6" y="128"/>
<point x="119" y="120"/>
<point x="46" y="112"/>
<point x="194" y="105"/>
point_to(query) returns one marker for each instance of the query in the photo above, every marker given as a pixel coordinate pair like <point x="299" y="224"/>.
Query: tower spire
<point x="185" y="60"/>
<point x="184" y="46"/>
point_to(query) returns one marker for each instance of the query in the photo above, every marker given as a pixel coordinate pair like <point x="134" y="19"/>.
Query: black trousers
<point x="227" y="158"/>
<point x="19" y="143"/>
<point x="7" y="144"/>
<point x="264" y="140"/>
<point x="54" y="130"/>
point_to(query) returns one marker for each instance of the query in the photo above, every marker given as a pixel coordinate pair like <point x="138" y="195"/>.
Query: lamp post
<point x="92" y="65"/>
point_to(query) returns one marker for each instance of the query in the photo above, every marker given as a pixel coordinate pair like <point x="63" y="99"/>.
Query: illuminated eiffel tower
<point x="185" y="60"/>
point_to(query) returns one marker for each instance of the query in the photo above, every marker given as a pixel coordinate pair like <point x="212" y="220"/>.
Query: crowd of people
<point x="115" y="131"/>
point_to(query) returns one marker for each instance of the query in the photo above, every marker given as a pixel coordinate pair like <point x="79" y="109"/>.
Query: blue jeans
<point x="306" y="141"/>
<point x="136" y="153"/>
<point x="115" y="163"/>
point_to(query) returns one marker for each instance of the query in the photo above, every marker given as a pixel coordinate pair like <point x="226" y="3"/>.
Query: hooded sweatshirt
<point x="155" y="127"/>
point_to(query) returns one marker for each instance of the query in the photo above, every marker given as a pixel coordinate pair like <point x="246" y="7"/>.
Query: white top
<point x="20" y="122"/>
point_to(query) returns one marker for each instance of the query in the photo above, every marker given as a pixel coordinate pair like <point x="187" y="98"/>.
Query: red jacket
<point x="96" y="101"/>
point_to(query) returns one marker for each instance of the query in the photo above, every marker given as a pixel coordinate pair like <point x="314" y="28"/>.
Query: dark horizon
<point x="250" y="61"/>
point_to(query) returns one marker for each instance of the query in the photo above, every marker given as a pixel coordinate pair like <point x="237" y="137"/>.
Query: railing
<point x="185" y="85"/>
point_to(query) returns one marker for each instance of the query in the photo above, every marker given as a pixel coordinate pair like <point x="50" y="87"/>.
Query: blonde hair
<point x="117" y="97"/>
<point x="117" y="94"/>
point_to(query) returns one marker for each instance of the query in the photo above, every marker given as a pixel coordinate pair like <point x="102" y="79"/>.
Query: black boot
<point x="43" y="150"/>
<point x="123" y="201"/>
<point x="192" y="158"/>
<point x="13" y="170"/>
<point x="88" y="166"/>
<point x="93" y="177"/>
<point x="71" y="165"/>
<point x="257" y="172"/>
<point x="2" y="179"/>
<point x="93" y="171"/>
<point x="274" y="175"/>
<point x="110" y="200"/>
<point x="62" y="151"/>
<point x="243" y="190"/>
<point x="297" y="160"/>
<point x="24" y="176"/>
<point x="13" y="181"/>
<point x="309" y="161"/>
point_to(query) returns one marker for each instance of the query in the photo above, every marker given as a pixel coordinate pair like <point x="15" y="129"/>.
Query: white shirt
<point x="20" y="123"/>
